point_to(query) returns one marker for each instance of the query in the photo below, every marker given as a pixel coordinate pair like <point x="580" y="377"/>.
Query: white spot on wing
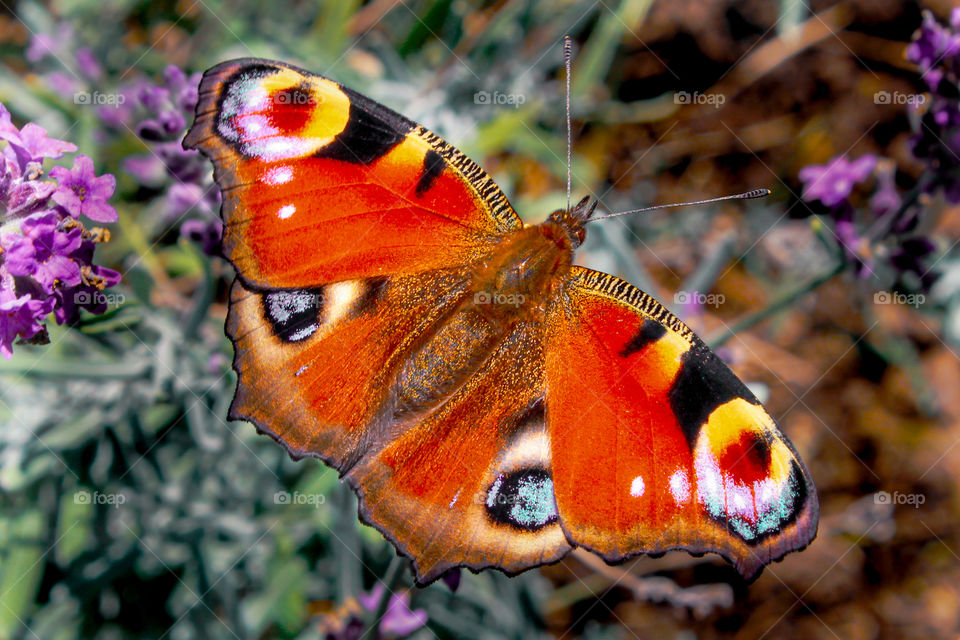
<point x="637" y="487"/>
<point x="680" y="486"/>
<point x="286" y="211"/>
<point x="278" y="175"/>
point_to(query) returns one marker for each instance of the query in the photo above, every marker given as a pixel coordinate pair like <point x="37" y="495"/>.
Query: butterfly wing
<point x="468" y="482"/>
<point x="656" y="445"/>
<point x="420" y="399"/>
<point x="321" y="184"/>
<point x="314" y="365"/>
<point x="354" y="231"/>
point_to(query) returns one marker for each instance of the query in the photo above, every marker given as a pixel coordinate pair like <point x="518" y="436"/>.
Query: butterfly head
<point x="573" y="220"/>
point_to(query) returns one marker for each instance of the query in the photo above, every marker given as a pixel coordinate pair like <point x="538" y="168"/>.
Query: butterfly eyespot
<point x="296" y="96"/>
<point x="272" y="113"/>
<point x="745" y="477"/>
<point x="522" y="499"/>
<point x="294" y="315"/>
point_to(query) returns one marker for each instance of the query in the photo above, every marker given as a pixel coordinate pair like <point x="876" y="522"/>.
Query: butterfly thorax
<point x="517" y="278"/>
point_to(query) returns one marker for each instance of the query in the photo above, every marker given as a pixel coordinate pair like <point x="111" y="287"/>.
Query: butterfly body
<point x="492" y="404"/>
<point x="529" y="265"/>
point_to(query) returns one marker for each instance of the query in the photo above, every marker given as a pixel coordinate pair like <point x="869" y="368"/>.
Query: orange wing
<point x="656" y="445"/>
<point x="321" y="184"/>
<point x="356" y="236"/>
<point x="467" y="482"/>
<point x="418" y="396"/>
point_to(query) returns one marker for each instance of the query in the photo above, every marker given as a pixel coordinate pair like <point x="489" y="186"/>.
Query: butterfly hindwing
<point x="656" y="444"/>
<point x="444" y="458"/>
<point x="322" y="184"/>
<point x="468" y="482"/>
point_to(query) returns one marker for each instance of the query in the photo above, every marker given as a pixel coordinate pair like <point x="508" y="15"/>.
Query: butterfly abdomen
<point x="511" y="286"/>
<point x="448" y="357"/>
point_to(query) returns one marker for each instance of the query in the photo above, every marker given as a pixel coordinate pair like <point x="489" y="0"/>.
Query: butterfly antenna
<point x="749" y="195"/>
<point x="567" y="46"/>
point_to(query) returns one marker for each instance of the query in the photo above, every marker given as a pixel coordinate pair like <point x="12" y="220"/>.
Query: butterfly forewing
<point x="321" y="184"/>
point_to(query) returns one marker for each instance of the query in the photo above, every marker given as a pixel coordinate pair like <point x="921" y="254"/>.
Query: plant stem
<point x="37" y="367"/>
<point x="779" y="304"/>
<point x="345" y="532"/>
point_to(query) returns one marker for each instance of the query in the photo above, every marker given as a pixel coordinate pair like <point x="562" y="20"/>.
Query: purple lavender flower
<point x="167" y="109"/>
<point x="88" y="63"/>
<point x="31" y="144"/>
<point x="884" y="241"/>
<point x="43" y="45"/>
<point x="347" y="622"/>
<point x="399" y="619"/>
<point x="24" y="197"/>
<point x="82" y="192"/>
<point x="855" y="248"/>
<point x="88" y="294"/>
<point x="119" y="114"/>
<point x="46" y="254"/>
<point x="451" y="578"/>
<point x="43" y="251"/>
<point x="932" y="43"/>
<point x="936" y="141"/>
<point x="147" y="169"/>
<point x="20" y="317"/>
<point x="833" y="182"/>
<point x="206" y="233"/>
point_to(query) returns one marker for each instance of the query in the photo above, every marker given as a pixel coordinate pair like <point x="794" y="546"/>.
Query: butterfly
<point x="491" y="404"/>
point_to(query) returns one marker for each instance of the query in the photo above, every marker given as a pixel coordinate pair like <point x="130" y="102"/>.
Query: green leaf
<point x="283" y="600"/>
<point x="73" y="529"/>
<point x="426" y="26"/>
<point x="20" y="572"/>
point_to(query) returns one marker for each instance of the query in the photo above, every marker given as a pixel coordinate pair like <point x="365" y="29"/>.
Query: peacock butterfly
<point x="492" y="404"/>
